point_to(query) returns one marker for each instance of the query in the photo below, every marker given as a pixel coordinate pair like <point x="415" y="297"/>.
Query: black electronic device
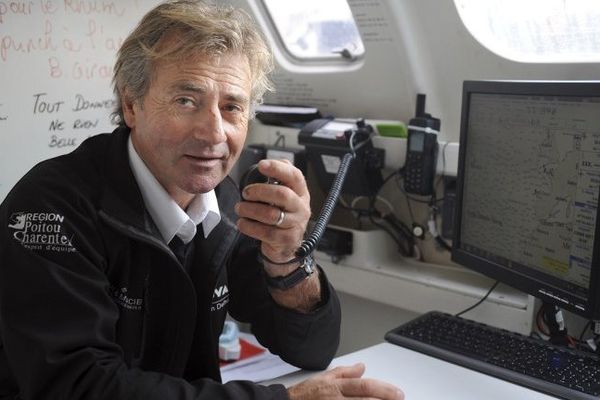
<point x="287" y="115"/>
<point x="421" y="151"/>
<point x="250" y="155"/>
<point x="296" y="156"/>
<point x="253" y="153"/>
<point x="336" y="243"/>
<point x="448" y="206"/>
<point x="327" y="141"/>
<point x="253" y="175"/>
<point x="526" y="209"/>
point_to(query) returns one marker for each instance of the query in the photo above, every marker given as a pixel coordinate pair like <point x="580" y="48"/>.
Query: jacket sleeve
<point x="308" y="341"/>
<point x="57" y="319"/>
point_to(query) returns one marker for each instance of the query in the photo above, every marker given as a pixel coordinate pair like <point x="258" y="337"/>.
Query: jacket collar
<point x="121" y="198"/>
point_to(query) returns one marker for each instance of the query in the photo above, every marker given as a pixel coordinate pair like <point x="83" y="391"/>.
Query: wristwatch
<point x="290" y="280"/>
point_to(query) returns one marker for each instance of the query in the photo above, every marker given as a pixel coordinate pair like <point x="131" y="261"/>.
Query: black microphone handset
<point x="421" y="151"/>
<point x="253" y="175"/>
<point x="356" y="138"/>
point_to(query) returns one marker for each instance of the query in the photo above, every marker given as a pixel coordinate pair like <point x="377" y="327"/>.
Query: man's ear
<point x="128" y="110"/>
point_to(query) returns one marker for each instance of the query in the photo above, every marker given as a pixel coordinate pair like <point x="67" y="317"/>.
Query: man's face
<point x="191" y="126"/>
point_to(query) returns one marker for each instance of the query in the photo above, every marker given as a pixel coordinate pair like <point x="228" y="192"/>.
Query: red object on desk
<point x="247" y="351"/>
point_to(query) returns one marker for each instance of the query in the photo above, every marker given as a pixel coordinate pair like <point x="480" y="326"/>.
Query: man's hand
<point x="261" y="213"/>
<point x="277" y="215"/>
<point x="344" y="383"/>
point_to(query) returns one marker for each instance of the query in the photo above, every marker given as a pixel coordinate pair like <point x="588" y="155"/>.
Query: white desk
<point x="425" y="378"/>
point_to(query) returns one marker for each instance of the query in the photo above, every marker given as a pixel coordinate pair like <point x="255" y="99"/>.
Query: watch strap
<point x="290" y="280"/>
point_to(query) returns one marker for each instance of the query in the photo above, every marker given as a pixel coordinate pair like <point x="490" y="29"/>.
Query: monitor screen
<point x="527" y="188"/>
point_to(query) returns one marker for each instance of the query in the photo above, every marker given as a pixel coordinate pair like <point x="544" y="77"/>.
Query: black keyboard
<point x="530" y="362"/>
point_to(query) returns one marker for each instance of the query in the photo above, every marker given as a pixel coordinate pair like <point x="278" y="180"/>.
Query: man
<point x="121" y="259"/>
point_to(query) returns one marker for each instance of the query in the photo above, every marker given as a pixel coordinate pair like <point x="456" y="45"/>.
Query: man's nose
<point x="209" y="126"/>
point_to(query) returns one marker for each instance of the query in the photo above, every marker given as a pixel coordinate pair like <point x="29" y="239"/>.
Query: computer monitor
<point x="527" y="189"/>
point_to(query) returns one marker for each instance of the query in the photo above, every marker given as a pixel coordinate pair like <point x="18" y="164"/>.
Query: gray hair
<point x="199" y="28"/>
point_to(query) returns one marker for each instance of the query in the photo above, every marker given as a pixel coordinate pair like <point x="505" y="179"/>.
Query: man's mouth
<point x="204" y="160"/>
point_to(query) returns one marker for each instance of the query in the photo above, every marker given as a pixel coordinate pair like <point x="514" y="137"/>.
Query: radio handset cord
<point x="363" y="134"/>
<point x="309" y="244"/>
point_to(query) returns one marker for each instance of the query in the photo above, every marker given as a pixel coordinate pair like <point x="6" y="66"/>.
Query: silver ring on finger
<point x="281" y="217"/>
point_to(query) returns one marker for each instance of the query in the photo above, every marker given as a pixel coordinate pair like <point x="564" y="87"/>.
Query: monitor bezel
<point x="588" y="307"/>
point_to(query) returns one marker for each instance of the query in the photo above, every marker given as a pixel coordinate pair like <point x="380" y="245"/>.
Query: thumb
<point x="352" y="371"/>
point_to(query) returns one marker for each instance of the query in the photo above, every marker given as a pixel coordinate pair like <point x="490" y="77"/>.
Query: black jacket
<point x="93" y="304"/>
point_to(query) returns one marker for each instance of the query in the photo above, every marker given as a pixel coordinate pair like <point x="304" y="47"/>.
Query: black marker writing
<point x="59" y="142"/>
<point x="81" y="103"/>
<point x="41" y="106"/>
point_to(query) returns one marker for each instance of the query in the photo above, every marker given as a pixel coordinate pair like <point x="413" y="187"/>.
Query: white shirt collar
<point x="170" y="219"/>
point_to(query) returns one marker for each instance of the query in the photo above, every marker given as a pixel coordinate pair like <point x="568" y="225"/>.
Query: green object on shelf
<point x="392" y="130"/>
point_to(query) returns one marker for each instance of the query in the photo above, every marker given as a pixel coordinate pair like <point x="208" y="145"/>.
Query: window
<point x="535" y="30"/>
<point x="316" y="29"/>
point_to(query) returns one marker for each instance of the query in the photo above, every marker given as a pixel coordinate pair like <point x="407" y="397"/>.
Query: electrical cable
<point x="410" y="212"/>
<point x="378" y="198"/>
<point x="553" y="319"/>
<point x="434" y="231"/>
<point x="539" y="322"/>
<point x="389" y="218"/>
<point x="343" y="202"/>
<point x="310" y="243"/>
<point x="406" y="243"/>
<point x="442" y="243"/>
<point x="443" y="174"/>
<point x="358" y="212"/>
<point x="479" y="302"/>
<point x="402" y="247"/>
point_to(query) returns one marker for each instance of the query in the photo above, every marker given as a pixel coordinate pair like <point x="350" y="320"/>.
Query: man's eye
<point x="185" y="101"/>
<point x="233" y="108"/>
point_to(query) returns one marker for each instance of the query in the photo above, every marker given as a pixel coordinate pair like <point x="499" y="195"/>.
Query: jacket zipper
<point x="135" y="233"/>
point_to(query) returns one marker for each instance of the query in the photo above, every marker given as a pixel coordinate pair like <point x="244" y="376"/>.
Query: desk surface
<point x="425" y="378"/>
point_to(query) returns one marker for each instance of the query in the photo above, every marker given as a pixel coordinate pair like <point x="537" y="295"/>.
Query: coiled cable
<point x="309" y="244"/>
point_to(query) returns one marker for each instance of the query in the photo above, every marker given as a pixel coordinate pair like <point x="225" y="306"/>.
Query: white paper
<point x="258" y="368"/>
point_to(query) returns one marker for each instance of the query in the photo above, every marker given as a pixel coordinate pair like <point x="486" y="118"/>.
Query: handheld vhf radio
<point x="422" y="151"/>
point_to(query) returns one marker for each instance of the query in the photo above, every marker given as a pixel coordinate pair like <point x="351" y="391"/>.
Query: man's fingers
<point x="284" y="172"/>
<point x="276" y="195"/>
<point x="344" y="382"/>
<point x="369" y="388"/>
<point x="266" y="214"/>
<point x="352" y="371"/>
<point x="350" y="384"/>
<point x="275" y="237"/>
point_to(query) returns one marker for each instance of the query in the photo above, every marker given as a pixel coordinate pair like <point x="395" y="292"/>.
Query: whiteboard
<point x="56" y="63"/>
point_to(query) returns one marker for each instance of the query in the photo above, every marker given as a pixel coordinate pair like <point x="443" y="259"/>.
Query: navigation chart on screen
<point x="536" y="163"/>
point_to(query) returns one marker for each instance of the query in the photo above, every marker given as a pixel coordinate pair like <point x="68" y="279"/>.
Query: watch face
<point x="305" y="270"/>
<point x="308" y="264"/>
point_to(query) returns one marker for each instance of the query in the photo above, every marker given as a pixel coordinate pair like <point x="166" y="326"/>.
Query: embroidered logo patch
<point x="121" y="297"/>
<point x="220" y="298"/>
<point x="40" y="231"/>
